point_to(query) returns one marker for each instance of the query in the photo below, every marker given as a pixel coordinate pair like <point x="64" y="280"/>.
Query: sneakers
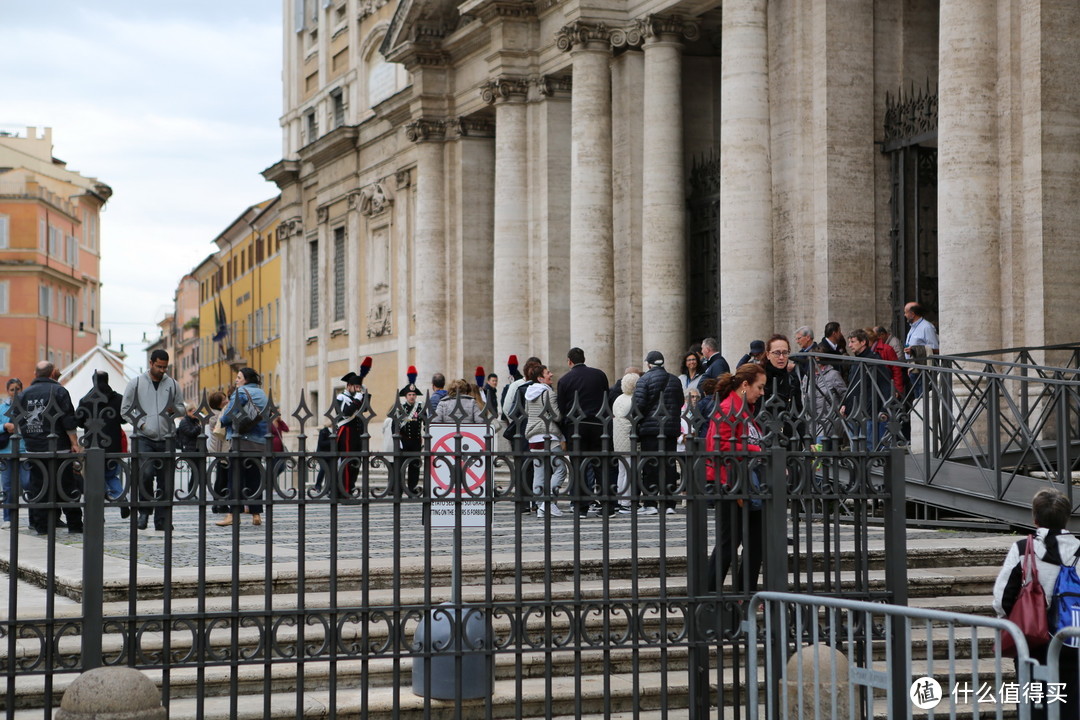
<point x="671" y="511"/>
<point x="649" y="510"/>
<point x="594" y="510"/>
<point x="625" y="510"/>
<point x="5" y="525"/>
<point x="543" y="509"/>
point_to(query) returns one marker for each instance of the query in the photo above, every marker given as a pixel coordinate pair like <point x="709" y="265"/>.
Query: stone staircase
<point x="947" y="571"/>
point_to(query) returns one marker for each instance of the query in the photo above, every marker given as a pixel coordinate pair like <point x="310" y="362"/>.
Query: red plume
<point x="365" y="367"/>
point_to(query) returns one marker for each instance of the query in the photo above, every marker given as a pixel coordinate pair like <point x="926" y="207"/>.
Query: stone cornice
<point x="425" y="130"/>
<point x="489" y="10"/>
<point x="283" y="172"/>
<point x="472" y="127"/>
<point x="331" y="145"/>
<point x="505" y="88"/>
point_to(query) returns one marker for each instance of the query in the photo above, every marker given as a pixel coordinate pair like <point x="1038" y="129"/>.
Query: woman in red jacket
<point x="733" y="429"/>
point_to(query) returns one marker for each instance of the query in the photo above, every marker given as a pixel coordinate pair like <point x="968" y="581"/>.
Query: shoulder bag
<point x="1029" y="612"/>
<point x="245" y="417"/>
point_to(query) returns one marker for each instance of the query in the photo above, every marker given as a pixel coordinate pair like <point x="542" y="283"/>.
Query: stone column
<point x="429" y="240"/>
<point x="592" y="303"/>
<point x="511" y="252"/>
<point x="969" y="288"/>
<point x="627" y="150"/>
<point x="663" y="223"/>
<point x="746" y="272"/>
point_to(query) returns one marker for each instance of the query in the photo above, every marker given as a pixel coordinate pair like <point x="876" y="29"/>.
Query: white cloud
<point x="175" y="106"/>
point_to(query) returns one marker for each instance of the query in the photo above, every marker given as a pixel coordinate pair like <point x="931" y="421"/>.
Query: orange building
<point x="50" y="279"/>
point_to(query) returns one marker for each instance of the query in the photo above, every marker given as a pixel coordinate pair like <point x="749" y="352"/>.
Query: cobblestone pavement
<point x="196" y="540"/>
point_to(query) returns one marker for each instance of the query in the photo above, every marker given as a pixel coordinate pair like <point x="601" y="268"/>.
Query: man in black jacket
<point x="47" y="411"/>
<point x="99" y="414"/>
<point x="869" y="389"/>
<point x="658" y="398"/>
<point x="589" y="387"/>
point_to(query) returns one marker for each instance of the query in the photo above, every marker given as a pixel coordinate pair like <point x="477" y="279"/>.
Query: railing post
<point x="776" y="560"/>
<point x="1064" y="442"/>
<point x="896" y="575"/>
<point x="702" y="603"/>
<point x="993" y="431"/>
<point x="93" y="556"/>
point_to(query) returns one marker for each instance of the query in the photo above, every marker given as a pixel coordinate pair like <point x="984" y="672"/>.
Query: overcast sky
<point x="174" y="105"/>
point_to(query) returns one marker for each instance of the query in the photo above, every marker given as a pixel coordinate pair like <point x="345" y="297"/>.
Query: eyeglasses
<point x="780" y="353"/>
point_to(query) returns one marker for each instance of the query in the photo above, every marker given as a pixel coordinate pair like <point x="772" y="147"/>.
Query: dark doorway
<point x="911" y="144"/>
<point x="703" y="281"/>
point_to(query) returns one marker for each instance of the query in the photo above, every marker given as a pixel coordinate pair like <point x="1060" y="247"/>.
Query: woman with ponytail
<point x="732" y="429"/>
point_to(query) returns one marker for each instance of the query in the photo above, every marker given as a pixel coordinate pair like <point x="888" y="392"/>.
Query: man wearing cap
<point x="756" y="354"/>
<point x="350" y="436"/>
<point x="409" y="430"/>
<point x="658" y="398"/>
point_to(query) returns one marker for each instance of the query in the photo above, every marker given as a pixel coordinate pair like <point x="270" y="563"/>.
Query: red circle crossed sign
<point x="444" y="445"/>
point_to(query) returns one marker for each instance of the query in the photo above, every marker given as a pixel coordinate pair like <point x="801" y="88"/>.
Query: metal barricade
<point x="834" y="658"/>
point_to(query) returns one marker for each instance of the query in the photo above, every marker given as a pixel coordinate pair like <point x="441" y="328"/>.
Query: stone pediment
<point x="417" y="29"/>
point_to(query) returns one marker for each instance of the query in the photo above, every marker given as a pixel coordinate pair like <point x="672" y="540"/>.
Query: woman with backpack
<point x="1056" y="551"/>
<point x="245" y="429"/>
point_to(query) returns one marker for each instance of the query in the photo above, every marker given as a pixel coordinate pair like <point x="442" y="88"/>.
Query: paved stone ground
<point x="196" y="540"/>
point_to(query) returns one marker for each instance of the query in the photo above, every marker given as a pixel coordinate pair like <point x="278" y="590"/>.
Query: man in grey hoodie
<point x="152" y="403"/>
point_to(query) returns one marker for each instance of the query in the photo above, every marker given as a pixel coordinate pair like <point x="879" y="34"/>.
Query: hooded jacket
<point x="104" y="404"/>
<point x="155" y="408"/>
<point x="542" y="407"/>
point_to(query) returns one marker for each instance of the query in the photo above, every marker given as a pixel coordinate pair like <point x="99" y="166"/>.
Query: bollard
<point x="436" y="634"/>
<point x="112" y="693"/>
<point x="810" y="695"/>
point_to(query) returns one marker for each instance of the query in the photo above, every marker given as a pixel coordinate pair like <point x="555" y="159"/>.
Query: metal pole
<point x="93" y="555"/>
<point x="896" y="576"/>
<point x="702" y="603"/>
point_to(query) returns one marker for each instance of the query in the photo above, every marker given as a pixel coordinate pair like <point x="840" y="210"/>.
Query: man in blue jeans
<point x="8" y="466"/>
<point x="152" y="403"/>
<point x="103" y="404"/>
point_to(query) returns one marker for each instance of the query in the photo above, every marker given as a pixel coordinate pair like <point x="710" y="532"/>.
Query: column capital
<point x="505" y="88"/>
<point x="554" y="85"/>
<point x="582" y="34"/>
<point x="471" y="126"/>
<point x="425" y="130"/>
<point x="669" y="28"/>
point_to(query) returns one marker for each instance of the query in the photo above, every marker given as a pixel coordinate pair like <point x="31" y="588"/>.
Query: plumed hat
<point x="352" y="378"/>
<point x="408" y="389"/>
<point x="365" y="367"/>
<point x="480" y="376"/>
<point x="411" y="374"/>
<point x="512" y="366"/>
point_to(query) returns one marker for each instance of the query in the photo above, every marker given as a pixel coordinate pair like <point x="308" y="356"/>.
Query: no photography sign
<point x="459" y="475"/>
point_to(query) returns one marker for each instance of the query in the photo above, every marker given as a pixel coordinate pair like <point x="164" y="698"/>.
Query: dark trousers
<point x="730" y="526"/>
<point x="586" y="481"/>
<point x="653" y="471"/>
<point x="246" y="476"/>
<point x="42" y="491"/>
<point x="154" y="481"/>
<point x="412" y="464"/>
<point x="524" y="472"/>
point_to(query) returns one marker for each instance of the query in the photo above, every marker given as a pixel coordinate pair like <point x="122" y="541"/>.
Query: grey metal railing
<point x="839" y="658"/>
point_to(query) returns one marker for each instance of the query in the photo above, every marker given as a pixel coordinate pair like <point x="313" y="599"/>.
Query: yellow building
<point x="240" y="303"/>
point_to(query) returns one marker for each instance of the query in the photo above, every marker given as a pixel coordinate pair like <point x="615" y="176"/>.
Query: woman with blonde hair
<point x="462" y="404"/>
<point x="621" y="426"/>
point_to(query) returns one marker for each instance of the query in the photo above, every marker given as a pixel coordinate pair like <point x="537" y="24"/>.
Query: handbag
<point x="246" y="417"/>
<point x="1029" y="612"/>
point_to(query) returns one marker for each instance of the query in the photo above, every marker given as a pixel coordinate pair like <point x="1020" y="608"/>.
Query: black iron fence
<point x="472" y="577"/>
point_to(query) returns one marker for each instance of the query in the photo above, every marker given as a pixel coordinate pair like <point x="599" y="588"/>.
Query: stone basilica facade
<point x="465" y="180"/>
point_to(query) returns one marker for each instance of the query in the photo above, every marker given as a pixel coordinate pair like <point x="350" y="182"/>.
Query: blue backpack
<point x="1065" y="602"/>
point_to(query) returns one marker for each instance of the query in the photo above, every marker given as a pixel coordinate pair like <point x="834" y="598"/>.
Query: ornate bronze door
<point x="911" y="144"/>
<point x="703" y="281"/>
